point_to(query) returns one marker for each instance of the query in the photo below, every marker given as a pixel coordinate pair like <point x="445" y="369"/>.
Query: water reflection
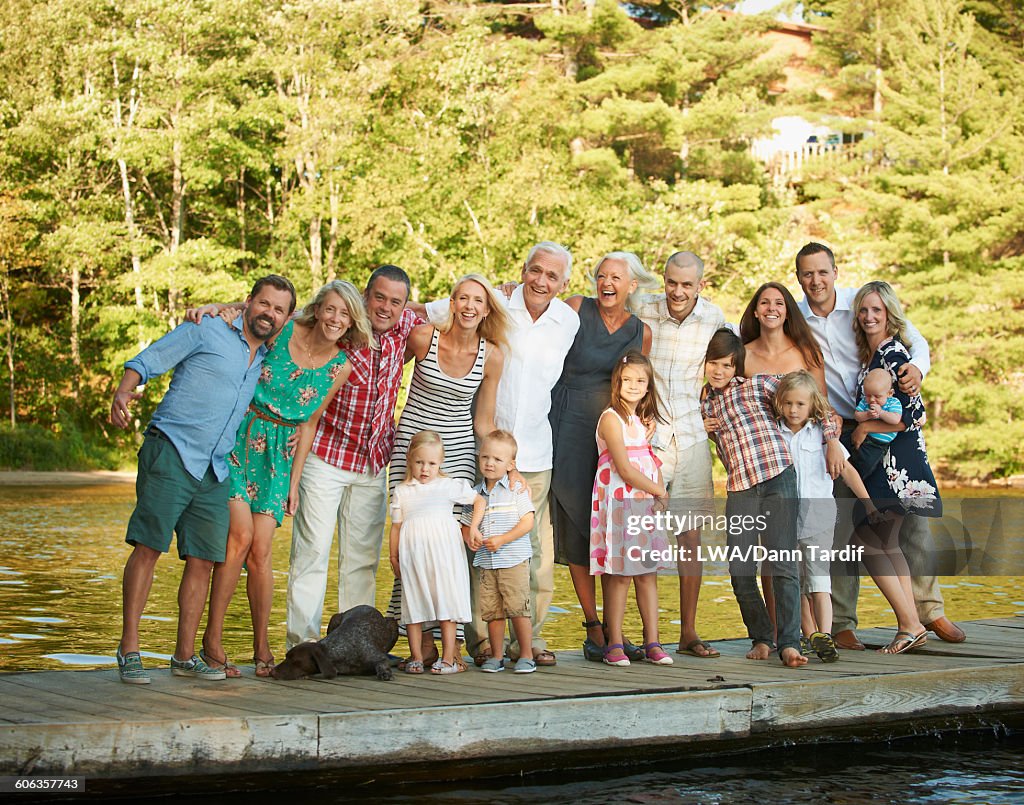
<point x="63" y="551"/>
<point x="971" y="767"/>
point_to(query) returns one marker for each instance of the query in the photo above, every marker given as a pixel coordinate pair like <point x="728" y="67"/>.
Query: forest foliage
<point x="156" y="154"/>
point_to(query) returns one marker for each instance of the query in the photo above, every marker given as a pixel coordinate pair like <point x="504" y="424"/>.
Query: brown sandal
<point x="263" y="667"/>
<point x="230" y="670"/>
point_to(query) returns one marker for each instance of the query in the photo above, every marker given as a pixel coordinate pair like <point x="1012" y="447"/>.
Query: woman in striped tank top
<point x="456" y="362"/>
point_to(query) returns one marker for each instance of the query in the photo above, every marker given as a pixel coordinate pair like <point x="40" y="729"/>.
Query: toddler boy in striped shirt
<point x="501" y="566"/>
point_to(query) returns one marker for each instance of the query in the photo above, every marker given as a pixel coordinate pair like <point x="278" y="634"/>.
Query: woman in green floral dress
<point x="304" y="369"/>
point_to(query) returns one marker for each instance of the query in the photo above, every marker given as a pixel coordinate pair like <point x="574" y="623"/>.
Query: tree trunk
<point x="177" y="211"/>
<point x="121" y="126"/>
<point x="946" y="156"/>
<point x="76" y="323"/>
<point x="316" y="246"/>
<point x="5" y="299"/>
<point x="240" y="206"/>
<point x="332" y="235"/>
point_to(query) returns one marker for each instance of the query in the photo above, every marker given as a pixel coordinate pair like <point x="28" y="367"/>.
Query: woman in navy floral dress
<point x="903" y="483"/>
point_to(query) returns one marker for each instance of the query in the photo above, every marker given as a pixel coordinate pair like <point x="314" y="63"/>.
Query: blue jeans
<point x="776" y="501"/>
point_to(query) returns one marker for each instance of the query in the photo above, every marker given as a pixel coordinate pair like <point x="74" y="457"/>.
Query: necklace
<point x="613" y="324"/>
<point x="313" y="357"/>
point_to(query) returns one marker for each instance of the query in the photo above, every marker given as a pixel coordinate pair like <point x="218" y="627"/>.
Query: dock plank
<point x="830" y="703"/>
<point x="88" y="723"/>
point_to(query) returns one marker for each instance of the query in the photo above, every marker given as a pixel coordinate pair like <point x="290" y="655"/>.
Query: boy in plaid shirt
<point x="762" y="494"/>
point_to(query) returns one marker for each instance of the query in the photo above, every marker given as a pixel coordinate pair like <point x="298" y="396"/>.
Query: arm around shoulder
<point x="575" y="302"/>
<point x="419" y="341"/>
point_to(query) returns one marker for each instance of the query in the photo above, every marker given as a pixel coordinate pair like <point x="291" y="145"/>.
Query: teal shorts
<point x="170" y="501"/>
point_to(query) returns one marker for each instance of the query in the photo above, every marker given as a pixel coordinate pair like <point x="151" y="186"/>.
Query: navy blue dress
<point x="577" y="401"/>
<point x="903" y="480"/>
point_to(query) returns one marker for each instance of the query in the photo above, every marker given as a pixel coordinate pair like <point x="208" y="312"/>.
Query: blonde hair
<point x="505" y="437"/>
<point x="802" y="379"/>
<point x="359" y="334"/>
<point x="896" y="320"/>
<point x="425" y="438"/>
<point x="495" y="324"/>
<point x="645" y="280"/>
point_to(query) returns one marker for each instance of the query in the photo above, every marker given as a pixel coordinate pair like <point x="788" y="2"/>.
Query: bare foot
<point x="760" y="651"/>
<point x="792" y="658"/>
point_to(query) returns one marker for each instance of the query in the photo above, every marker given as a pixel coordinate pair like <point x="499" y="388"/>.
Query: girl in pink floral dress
<point x="627" y="482"/>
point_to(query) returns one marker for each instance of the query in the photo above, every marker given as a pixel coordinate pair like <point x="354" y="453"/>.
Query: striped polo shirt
<point x="505" y="509"/>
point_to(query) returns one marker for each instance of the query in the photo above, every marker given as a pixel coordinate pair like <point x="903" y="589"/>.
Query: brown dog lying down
<point x="357" y="642"/>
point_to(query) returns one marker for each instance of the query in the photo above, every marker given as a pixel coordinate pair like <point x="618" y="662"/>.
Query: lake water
<point x="62" y="552"/>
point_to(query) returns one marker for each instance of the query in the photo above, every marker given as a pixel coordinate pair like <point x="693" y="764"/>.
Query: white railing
<point x="789" y="164"/>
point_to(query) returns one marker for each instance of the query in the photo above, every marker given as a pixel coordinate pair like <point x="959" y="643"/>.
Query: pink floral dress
<point x="286" y="396"/>
<point x="620" y="542"/>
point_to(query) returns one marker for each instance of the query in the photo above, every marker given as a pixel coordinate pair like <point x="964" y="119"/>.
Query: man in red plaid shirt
<point x="344" y="481"/>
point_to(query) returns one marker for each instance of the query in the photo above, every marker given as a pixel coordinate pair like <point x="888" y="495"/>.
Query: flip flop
<point x="230" y="671"/>
<point x="905" y="641"/>
<point x="263" y="667"/>
<point x="710" y="652"/>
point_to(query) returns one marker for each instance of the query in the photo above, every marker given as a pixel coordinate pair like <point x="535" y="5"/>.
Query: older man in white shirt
<point x="682" y="323"/>
<point x="829" y="313"/>
<point x="543" y="329"/>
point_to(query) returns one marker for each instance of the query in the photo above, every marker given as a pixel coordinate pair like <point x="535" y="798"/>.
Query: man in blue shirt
<point x="182" y="477"/>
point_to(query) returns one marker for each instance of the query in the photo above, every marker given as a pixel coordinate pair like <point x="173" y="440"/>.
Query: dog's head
<point x="305" y="659"/>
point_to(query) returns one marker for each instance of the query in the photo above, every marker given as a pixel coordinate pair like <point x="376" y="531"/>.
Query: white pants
<point x="357" y="504"/>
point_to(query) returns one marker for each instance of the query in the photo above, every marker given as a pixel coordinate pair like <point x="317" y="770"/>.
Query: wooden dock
<point x="86" y="723"/>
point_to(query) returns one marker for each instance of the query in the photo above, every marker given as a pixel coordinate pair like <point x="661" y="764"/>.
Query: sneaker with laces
<point x="493" y="665"/>
<point x="196" y="668"/>
<point x="129" y="668"/>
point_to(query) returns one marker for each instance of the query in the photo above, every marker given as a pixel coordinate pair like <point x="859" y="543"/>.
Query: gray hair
<point x="645" y="280"/>
<point x="685" y="260"/>
<point x="556" y="249"/>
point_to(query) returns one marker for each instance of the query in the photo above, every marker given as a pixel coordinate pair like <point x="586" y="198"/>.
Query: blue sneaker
<point x="129" y="668"/>
<point x="524" y="666"/>
<point x="493" y="665"/>
<point x="195" y="668"/>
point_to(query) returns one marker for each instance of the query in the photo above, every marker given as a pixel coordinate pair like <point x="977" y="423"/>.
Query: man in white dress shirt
<point x="682" y="323"/>
<point x="829" y="313"/>
<point x="543" y="329"/>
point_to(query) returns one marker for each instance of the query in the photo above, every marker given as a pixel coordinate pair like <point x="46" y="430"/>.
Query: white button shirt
<point x="839" y="348"/>
<point x="817" y="512"/>
<point x="677" y="353"/>
<point x="532" y="367"/>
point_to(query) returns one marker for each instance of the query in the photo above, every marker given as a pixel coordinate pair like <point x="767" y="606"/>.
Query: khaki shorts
<point x="687" y="474"/>
<point x="504" y="592"/>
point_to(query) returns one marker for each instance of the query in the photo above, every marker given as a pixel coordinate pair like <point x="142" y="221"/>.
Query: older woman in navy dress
<point x="607" y="331"/>
<point x="903" y="483"/>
